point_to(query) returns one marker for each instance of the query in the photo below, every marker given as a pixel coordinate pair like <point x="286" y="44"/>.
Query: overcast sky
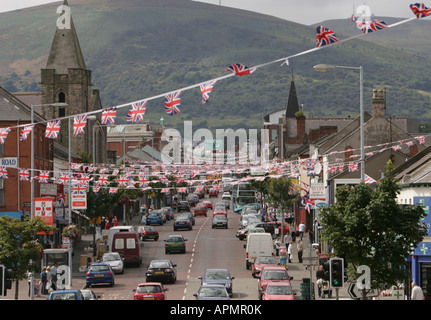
<point x="302" y="11"/>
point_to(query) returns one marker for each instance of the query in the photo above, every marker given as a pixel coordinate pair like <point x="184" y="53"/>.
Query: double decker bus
<point x="242" y="194"/>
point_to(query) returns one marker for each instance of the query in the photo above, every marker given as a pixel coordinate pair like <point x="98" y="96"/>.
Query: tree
<point x="368" y="227"/>
<point x="19" y="246"/>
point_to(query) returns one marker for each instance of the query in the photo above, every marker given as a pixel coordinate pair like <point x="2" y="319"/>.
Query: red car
<point x="213" y="193"/>
<point x="278" y="291"/>
<point x="207" y="204"/>
<point x="150" y="291"/>
<point x="217" y="211"/>
<point x="260" y="262"/>
<point x="201" y="210"/>
<point x="270" y="274"/>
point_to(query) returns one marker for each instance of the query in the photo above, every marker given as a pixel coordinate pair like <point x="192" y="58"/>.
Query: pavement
<point x="296" y="270"/>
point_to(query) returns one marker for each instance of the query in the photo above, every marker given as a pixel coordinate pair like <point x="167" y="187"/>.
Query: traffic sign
<point x="355" y="293"/>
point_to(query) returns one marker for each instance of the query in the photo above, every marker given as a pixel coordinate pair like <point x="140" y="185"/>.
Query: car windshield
<point x="111" y="257"/>
<point x="266" y="260"/>
<point x="99" y="268"/>
<point x="213" y="292"/>
<point x="217" y="275"/>
<point x="275" y="275"/>
<point x="220" y="217"/>
<point x="160" y="264"/>
<point x="63" y="296"/>
<point x="279" y="290"/>
<point x="149" y="289"/>
<point x="175" y="239"/>
<point x="154" y="214"/>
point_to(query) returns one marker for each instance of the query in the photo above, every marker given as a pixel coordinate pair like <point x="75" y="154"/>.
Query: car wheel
<point x="175" y="229"/>
<point x="111" y="284"/>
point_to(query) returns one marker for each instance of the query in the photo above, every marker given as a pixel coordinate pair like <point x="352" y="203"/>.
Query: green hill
<point x="138" y="49"/>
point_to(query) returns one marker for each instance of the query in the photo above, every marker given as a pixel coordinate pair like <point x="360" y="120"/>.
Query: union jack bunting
<point x="96" y="189"/>
<point x="113" y="190"/>
<point x="25" y="131"/>
<point x="79" y="123"/>
<point x="420" y="10"/>
<point x="376" y="25"/>
<point x="64" y="178"/>
<point x="43" y="176"/>
<point x="165" y="190"/>
<point x="24" y="174"/>
<point x="103" y="180"/>
<point x="79" y="189"/>
<point x="325" y="36"/>
<point x="3" y="172"/>
<point x="108" y="115"/>
<point x="137" y="111"/>
<point x="61" y="199"/>
<point x="85" y="179"/>
<point x="52" y="129"/>
<point x="240" y="69"/>
<point x="3" y="134"/>
<point x="307" y="203"/>
<point x="368" y="179"/>
<point x="353" y="166"/>
<point x="206" y="89"/>
<point x="172" y="103"/>
<point x="421" y="139"/>
<point x="123" y="180"/>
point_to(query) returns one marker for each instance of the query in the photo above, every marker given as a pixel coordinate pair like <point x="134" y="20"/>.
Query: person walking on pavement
<point x="301" y="229"/>
<point x="300" y="248"/>
<point x="417" y="293"/>
<point x="289" y="252"/>
<point x="54" y="276"/>
<point x="320" y="276"/>
<point x="43" y="279"/>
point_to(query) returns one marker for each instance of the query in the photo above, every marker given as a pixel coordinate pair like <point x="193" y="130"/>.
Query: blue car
<point x="99" y="273"/>
<point x="66" y="295"/>
<point x="155" y="217"/>
<point x="212" y="292"/>
<point x="217" y="276"/>
<point x="183" y="222"/>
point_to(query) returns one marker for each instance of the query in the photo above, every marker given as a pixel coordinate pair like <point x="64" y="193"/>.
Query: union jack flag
<point x="3" y="134"/>
<point x="137" y="111"/>
<point x="376" y="25"/>
<point x="3" y="172"/>
<point x="421" y="139"/>
<point x="96" y="189"/>
<point x="61" y="199"/>
<point x="79" y="123"/>
<point x="325" y="36"/>
<point x="25" y="131"/>
<point x="108" y="115"/>
<point x="206" y="89"/>
<point x="368" y="179"/>
<point x="24" y="174"/>
<point x="113" y="190"/>
<point x="420" y="10"/>
<point x="123" y="180"/>
<point x="172" y="103"/>
<point x="353" y="166"/>
<point x="43" y="176"/>
<point x="240" y="69"/>
<point x="103" y="180"/>
<point x="307" y="203"/>
<point x="85" y="179"/>
<point x="64" y="178"/>
<point x="79" y="189"/>
<point x="165" y="190"/>
<point x="52" y="129"/>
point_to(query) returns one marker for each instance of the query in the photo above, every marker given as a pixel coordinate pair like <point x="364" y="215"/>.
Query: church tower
<point x="67" y="79"/>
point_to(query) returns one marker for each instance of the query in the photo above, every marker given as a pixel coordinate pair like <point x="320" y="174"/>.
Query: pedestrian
<point x="43" y="279"/>
<point x="262" y="215"/>
<point x="115" y="221"/>
<point x="300" y="248"/>
<point x="311" y="236"/>
<point x="292" y="231"/>
<point x="287" y="238"/>
<point x="48" y="279"/>
<point x="301" y="229"/>
<point x="29" y="282"/>
<point x="289" y="252"/>
<point x="320" y="276"/>
<point x="102" y="223"/>
<point x="417" y="293"/>
<point x="107" y="225"/>
<point x="54" y="276"/>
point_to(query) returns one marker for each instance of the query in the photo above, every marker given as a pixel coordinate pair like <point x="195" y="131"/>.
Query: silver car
<point x="114" y="260"/>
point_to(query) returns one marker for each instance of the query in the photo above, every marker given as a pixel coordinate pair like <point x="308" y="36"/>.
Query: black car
<point x="183" y="206"/>
<point x="161" y="271"/>
<point x="219" y="221"/>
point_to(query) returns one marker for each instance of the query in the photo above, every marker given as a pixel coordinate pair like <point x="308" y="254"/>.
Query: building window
<point x="61" y="97"/>
<point x="61" y="112"/>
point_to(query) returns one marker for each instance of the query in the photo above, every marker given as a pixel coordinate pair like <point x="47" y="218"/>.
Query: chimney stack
<point x="378" y="104"/>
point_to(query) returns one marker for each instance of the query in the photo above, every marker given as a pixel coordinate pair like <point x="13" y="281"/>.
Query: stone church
<point x="66" y="79"/>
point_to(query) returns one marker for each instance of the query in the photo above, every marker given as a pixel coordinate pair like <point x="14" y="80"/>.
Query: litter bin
<point x="305" y="289"/>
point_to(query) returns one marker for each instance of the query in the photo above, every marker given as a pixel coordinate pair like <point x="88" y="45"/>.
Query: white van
<point x="258" y="244"/>
<point x="114" y="230"/>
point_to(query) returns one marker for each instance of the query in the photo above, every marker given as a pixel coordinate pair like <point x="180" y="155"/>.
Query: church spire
<point x="292" y="102"/>
<point x="65" y="49"/>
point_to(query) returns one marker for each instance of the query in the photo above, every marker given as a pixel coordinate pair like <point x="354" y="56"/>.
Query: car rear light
<point x="169" y="270"/>
<point x="109" y="273"/>
<point x="88" y="274"/>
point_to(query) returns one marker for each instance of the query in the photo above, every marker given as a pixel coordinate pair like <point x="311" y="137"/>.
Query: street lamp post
<point x="60" y="104"/>
<point x="325" y="67"/>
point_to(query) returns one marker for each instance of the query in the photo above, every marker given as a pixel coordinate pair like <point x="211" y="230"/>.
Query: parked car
<point x="213" y="193"/>
<point x="245" y="219"/>
<point x="183" y="222"/>
<point x="219" y="221"/>
<point x="148" y="233"/>
<point x="278" y="291"/>
<point x="155" y="217"/>
<point x="217" y="276"/>
<point x="175" y="243"/>
<point x="268" y="226"/>
<point x="260" y="262"/>
<point x="200" y="210"/>
<point x="89" y="294"/>
<point x="150" y="291"/>
<point x="161" y="270"/>
<point x="191" y="217"/>
<point x="114" y="260"/>
<point x="170" y="212"/>
<point x="208" y="204"/>
<point x="270" y="274"/>
<point x="66" y="295"/>
<point x="212" y="292"/>
<point x="99" y="272"/>
<point x="183" y="206"/>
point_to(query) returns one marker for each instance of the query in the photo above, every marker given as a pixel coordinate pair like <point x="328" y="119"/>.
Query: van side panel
<point x="258" y="244"/>
<point x="113" y="231"/>
<point x="128" y="245"/>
